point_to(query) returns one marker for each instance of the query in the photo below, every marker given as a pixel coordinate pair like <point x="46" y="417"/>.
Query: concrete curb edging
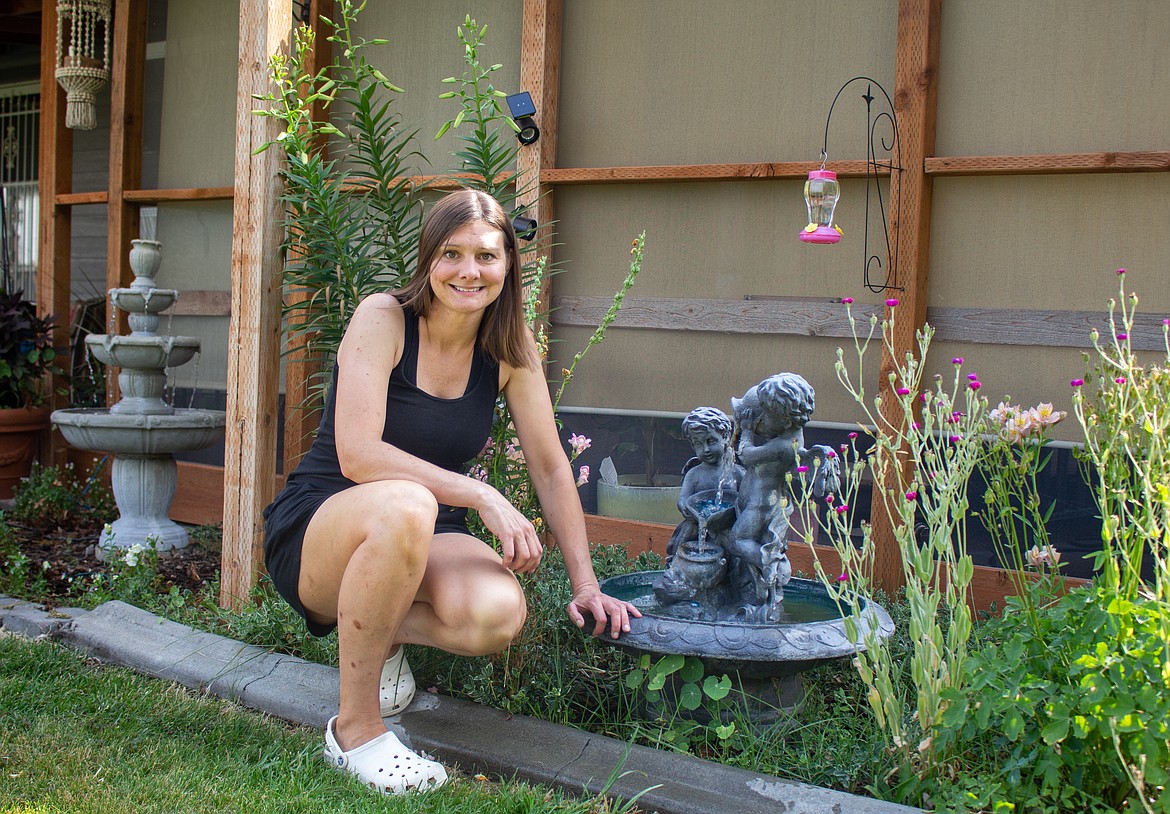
<point x="477" y="738"/>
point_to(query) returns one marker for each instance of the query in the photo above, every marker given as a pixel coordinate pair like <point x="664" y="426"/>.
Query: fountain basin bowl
<point x="143" y="300"/>
<point x="812" y="632"/>
<point x="142" y="352"/>
<point x="185" y="430"/>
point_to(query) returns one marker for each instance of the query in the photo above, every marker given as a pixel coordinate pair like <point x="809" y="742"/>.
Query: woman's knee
<point x="493" y="616"/>
<point x="400" y="511"/>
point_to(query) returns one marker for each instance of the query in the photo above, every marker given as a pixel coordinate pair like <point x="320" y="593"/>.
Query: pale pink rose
<point x="583" y="478"/>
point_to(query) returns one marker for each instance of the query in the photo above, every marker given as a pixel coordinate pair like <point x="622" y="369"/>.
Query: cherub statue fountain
<point x="727" y="594"/>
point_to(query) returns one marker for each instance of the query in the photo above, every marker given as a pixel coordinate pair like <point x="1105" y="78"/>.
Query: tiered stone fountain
<point x="142" y="430"/>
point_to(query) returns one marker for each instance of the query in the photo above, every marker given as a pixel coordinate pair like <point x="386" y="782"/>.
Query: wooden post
<point x="299" y="368"/>
<point x="127" y="78"/>
<point x="254" y="335"/>
<point x="540" y="75"/>
<point x="55" y="177"/>
<point x="915" y="103"/>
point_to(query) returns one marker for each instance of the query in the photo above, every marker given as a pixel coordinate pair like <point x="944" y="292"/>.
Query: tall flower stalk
<point x="1122" y="407"/>
<point x="920" y="463"/>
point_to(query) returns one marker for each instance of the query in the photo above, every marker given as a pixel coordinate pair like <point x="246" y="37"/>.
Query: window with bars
<point x="19" y="198"/>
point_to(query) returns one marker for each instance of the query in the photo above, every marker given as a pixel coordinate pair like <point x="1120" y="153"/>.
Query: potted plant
<point x="26" y="358"/>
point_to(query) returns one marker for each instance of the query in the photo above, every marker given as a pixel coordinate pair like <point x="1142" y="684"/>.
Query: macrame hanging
<point x="83" y="58"/>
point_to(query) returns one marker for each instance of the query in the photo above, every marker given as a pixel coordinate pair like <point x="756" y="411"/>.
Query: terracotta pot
<point x="20" y="441"/>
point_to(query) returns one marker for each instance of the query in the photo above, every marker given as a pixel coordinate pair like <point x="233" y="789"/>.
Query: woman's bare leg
<point x="364" y="556"/>
<point x="468" y="603"/>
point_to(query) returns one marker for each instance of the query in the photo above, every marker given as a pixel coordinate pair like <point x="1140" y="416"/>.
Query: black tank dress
<point x="445" y="432"/>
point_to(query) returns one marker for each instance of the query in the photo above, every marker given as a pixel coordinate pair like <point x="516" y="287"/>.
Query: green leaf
<point x="690" y="698"/>
<point x="692" y="670"/>
<point x="1056" y="730"/>
<point x="717" y="688"/>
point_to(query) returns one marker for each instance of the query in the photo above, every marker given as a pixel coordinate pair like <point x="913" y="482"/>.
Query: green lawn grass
<point x="76" y="736"/>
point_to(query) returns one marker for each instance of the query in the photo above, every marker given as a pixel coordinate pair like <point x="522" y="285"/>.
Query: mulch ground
<point x="70" y="554"/>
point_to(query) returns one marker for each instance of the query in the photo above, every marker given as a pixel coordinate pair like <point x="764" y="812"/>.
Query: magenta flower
<point x="829" y="499"/>
<point x="1120" y="272"/>
<point x="802" y="468"/>
<point x="923" y="398"/>
<point x="843" y="578"/>
<point x="1166" y="322"/>
<point x="915" y="425"/>
<point x="956" y="439"/>
<point x="830" y="454"/>
<point x="891" y="302"/>
<point x="842" y="509"/>
<point x="903" y="391"/>
<point x="958" y="360"/>
<point x="1120" y="380"/>
<point x="847" y="300"/>
<point x="974" y="385"/>
<point x="972" y="376"/>
<point x="1077" y="382"/>
<point x="1123" y="337"/>
<point x="852" y="435"/>
<point x="912" y="496"/>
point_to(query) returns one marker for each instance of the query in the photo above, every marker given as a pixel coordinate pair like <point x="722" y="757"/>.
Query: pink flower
<point x="974" y="385"/>
<point x="912" y="496"/>
<point x="830" y="454"/>
<point x="1120" y="380"/>
<point x="843" y="578"/>
<point x="1120" y="272"/>
<point x="1004" y="413"/>
<point x="923" y="398"/>
<point x="903" y="391"/>
<point x="842" y="509"/>
<point x="579" y="443"/>
<point x="1122" y="337"/>
<point x="914" y="425"/>
<point x="847" y="300"/>
<point x="972" y="377"/>
<point x="852" y="435"/>
<point x="829" y="499"/>
<point x="802" y="468"/>
<point x="1043" y="415"/>
<point x="583" y="477"/>
<point x="891" y="302"/>
<point x="1041" y="558"/>
<point x="956" y="439"/>
<point x="958" y="360"/>
<point x="1077" y="382"/>
<point x="1166" y="322"/>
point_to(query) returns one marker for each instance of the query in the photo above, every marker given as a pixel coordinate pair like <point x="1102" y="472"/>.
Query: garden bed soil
<point x="72" y="562"/>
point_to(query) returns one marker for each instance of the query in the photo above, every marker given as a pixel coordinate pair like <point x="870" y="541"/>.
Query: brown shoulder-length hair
<point x="503" y="334"/>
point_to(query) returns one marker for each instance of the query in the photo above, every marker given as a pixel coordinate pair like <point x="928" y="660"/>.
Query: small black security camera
<point x="525" y="227"/>
<point x="522" y="108"/>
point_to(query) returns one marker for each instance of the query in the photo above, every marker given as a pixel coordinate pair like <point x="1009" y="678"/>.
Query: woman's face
<point x="468" y="274"/>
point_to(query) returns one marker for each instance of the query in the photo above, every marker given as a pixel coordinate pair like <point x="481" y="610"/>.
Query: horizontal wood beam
<point x="202" y="303"/>
<point x="81" y="198"/>
<point x="790" y="171"/>
<point x="1048" y="164"/>
<point x="166" y="195"/>
<point x="827" y="317"/>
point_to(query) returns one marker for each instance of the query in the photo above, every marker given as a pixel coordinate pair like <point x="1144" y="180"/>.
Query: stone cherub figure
<point x="713" y="468"/>
<point x="769" y="440"/>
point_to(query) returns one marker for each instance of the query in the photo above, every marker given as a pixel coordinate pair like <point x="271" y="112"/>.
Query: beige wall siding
<point x="1053" y="76"/>
<point x="691" y="82"/>
<point x="424" y="49"/>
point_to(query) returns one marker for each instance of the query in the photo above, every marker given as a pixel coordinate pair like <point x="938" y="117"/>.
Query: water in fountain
<point x="143" y="429"/>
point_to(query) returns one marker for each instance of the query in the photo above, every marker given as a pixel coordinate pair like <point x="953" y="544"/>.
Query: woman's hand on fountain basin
<point x="605" y="610"/>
